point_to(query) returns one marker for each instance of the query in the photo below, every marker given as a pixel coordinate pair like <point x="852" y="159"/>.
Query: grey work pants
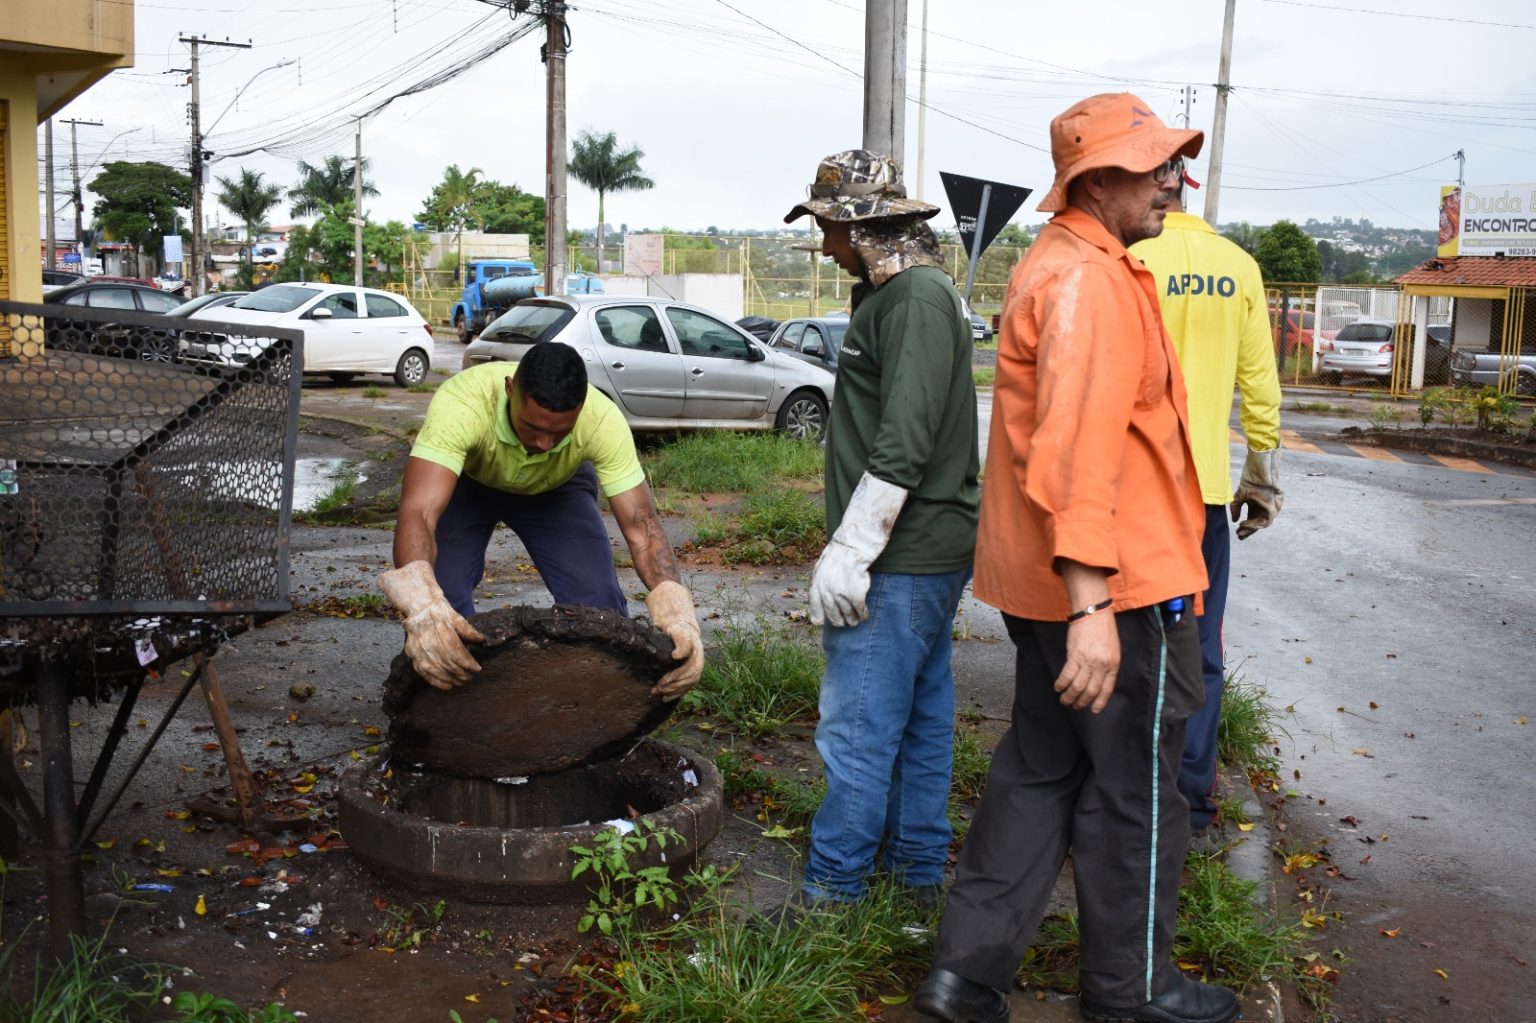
<point x="1103" y="786"/>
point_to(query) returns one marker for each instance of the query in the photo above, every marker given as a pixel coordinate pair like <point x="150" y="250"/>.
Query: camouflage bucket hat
<point x="858" y="185"/>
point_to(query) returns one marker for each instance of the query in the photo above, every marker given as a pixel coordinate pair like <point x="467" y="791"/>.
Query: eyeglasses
<point x="1173" y="168"/>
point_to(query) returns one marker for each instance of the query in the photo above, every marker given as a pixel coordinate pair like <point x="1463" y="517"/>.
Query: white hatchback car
<point x="347" y="331"/>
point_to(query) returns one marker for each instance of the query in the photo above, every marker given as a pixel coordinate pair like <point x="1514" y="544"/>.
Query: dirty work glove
<point x="1259" y="490"/>
<point x="434" y="631"/>
<point x="672" y="612"/>
<point x="840" y="582"/>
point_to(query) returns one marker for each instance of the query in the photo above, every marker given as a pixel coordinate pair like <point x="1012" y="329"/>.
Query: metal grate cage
<point x="145" y="466"/>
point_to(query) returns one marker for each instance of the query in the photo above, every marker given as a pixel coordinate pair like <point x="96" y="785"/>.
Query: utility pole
<point x="1461" y="168"/>
<point x="74" y="169"/>
<point x="885" y="79"/>
<point x="922" y="100"/>
<point x="1219" y="123"/>
<point x="357" y="210"/>
<point x="554" y="134"/>
<point x="48" y="178"/>
<point x="1189" y="101"/>
<point x="196" y="163"/>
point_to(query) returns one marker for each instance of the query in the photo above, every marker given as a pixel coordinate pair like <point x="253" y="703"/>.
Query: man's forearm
<point x="655" y="561"/>
<point x="414" y="541"/>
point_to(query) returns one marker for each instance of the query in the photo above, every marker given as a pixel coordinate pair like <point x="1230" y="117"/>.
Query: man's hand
<point x="1259" y="491"/>
<point x="672" y="611"/>
<point x="1093" y="661"/>
<point x="840" y="582"/>
<point x="434" y="631"/>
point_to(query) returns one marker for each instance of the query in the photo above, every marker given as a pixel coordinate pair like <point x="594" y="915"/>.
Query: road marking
<point x="1461" y="464"/>
<point x="1374" y="454"/>
<point x="1293" y="442"/>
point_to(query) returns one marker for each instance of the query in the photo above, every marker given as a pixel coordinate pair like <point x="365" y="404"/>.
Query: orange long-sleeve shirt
<point x="1089" y="456"/>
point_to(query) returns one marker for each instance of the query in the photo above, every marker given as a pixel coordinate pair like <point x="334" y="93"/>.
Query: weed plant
<point x="758" y="680"/>
<point x="788" y="801"/>
<point x="712" y="964"/>
<point x="985" y="376"/>
<point x="1220" y="928"/>
<point x="374" y="391"/>
<point x="93" y="985"/>
<point x="783" y="526"/>
<point x="425" y="387"/>
<point x="1248" y="727"/>
<point x="340" y="494"/>
<point x="721" y="461"/>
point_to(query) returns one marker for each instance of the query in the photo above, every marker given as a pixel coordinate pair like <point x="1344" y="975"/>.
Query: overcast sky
<point x="1346" y="108"/>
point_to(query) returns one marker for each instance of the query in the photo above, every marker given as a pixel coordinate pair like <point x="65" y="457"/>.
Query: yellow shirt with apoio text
<point x="1212" y="299"/>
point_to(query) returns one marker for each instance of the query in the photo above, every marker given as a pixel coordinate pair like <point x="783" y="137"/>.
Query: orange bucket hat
<point x="1112" y="129"/>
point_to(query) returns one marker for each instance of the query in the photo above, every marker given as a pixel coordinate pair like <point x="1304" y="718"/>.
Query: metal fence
<point x="1360" y="336"/>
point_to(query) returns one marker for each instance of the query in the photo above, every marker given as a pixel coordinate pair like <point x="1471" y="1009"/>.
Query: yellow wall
<point x="50" y="52"/>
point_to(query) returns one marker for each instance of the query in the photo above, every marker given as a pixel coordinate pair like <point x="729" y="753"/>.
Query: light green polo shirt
<point x="468" y="430"/>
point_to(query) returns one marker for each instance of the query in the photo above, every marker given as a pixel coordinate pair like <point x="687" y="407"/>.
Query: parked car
<point x="347" y="331"/>
<point x="1437" y="355"/>
<point x="113" y="279"/>
<point x="53" y="280"/>
<point x="111" y="339"/>
<point x="667" y="364"/>
<point x="760" y="327"/>
<point x="816" y="341"/>
<point x="1364" y="348"/>
<point x="1481" y="369"/>
<point x="212" y="300"/>
<point x="981" y="329"/>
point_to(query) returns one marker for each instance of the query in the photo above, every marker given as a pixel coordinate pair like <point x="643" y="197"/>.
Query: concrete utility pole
<point x="74" y="169"/>
<point x="1219" y="124"/>
<point x="555" y="258"/>
<point x="357" y="210"/>
<point x="922" y="100"/>
<point x="52" y="262"/>
<point x="194" y="113"/>
<point x="885" y="79"/>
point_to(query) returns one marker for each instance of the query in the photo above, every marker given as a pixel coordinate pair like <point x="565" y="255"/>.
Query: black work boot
<point x="1184" y="1001"/>
<point x="950" y="997"/>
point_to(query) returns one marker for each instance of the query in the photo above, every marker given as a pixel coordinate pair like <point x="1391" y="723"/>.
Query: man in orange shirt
<point x="1089" y="543"/>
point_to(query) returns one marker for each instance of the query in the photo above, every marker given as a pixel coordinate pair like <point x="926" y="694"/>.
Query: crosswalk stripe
<point x="1461" y="464"/>
<point x="1293" y="442"/>
<point x="1374" y="454"/>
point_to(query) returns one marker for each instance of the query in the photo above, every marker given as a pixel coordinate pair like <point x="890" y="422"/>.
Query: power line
<point x="1339" y="184"/>
<point x="1398" y="14"/>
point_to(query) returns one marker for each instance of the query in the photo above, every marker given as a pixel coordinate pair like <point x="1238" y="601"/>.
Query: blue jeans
<point x="1197" y="772"/>
<point x="886" y="738"/>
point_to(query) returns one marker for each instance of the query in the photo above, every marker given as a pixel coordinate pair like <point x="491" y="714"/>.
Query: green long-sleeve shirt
<point x="905" y="412"/>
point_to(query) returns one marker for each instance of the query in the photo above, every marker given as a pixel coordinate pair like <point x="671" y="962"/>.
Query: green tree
<point x="597" y="162"/>
<point x="139" y="203"/>
<point x="249" y="199"/>
<point x="507" y="209"/>
<point x="455" y="201"/>
<point x="323" y="251"/>
<point x="1286" y="253"/>
<point x="1244" y="235"/>
<point x="327" y="185"/>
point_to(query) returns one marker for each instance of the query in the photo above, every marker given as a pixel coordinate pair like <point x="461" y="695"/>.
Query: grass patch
<point x="779" y="527"/>
<point x="722" y="461"/>
<point x="1248" y="727"/>
<point x="780" y="800"/>
<point x="425" y="387"/>
<point x="1316" y="406"/>
<point x="711" y="964"/>
<point x="758" y="681"/>
<point x="93" y="985"/>
<point x="374" y="391"/>
<point x="339" y="496"/>
<point x="985" y="376"/>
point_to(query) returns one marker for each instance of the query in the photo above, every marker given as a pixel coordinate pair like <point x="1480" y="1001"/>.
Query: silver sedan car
<point x="668" y="365"/>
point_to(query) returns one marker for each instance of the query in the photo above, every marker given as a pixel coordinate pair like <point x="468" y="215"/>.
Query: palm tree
<point x="322" y="187"/>
<point x="456" y="200"/>
<point x="597" y="163"/>
<point x="249" y="200"/>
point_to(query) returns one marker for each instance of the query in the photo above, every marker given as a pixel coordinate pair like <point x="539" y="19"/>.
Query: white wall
<point x="1474" y="323"/>
<point x="721" y="294"/>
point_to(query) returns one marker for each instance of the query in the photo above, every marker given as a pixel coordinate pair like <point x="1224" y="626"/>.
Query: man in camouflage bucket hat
<point x="902" y="499"/>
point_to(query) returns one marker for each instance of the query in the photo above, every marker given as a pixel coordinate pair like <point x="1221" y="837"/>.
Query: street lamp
<point x="199" y="158"/>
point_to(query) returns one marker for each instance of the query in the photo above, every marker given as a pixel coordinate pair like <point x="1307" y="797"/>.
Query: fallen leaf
<point x="106" y="843"/>
<point x="1522" y="720"/>
<point x="893" y="999"/>
<point x="1351" y="820"/>
<point x="1374" y="706"/>
<point x="780" y="831"/>
<point x="1361" y="751"/>
<point x="1309" y="660"/>
<point x="1389" y="934"/>
<point x="201" y="909"/>
<point x="472" y="998"/>
<point x="1246" y="826"/>
<point x="1442" y="974"/>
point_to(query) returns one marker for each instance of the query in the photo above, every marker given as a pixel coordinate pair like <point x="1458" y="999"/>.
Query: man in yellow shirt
<point x="1212" y="298"/>
<point x="529" y="444"/>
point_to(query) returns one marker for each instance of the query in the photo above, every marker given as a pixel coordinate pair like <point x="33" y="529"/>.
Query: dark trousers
<point x="561" y="528"/>
<point x="1197" y="773"/>
<point x="1101" y="786"/>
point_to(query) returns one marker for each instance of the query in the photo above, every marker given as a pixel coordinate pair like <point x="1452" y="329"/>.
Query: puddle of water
<point x="314" y="478"/>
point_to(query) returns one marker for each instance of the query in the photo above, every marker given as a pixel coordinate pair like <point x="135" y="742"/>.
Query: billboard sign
<point x="643" y="254"/>
<point x="1487" y="220"/>
<point x="173" y="253"/>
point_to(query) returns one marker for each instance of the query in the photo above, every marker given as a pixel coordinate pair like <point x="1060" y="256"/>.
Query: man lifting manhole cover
<point x="529" y="444"/>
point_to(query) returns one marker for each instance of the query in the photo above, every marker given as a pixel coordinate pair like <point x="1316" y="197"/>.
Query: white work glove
<point x="840" y="583"/>
<point x="672" y="612"/>
<point x="434" y="631"/>
<point x="1260" y="491"/>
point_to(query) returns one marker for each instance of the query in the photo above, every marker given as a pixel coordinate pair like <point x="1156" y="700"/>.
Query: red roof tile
<point x="1474" y="271"/>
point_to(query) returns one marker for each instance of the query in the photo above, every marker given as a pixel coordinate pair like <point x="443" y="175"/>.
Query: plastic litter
<point x="154" y="887"/>
<point x="621" y="825"/>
